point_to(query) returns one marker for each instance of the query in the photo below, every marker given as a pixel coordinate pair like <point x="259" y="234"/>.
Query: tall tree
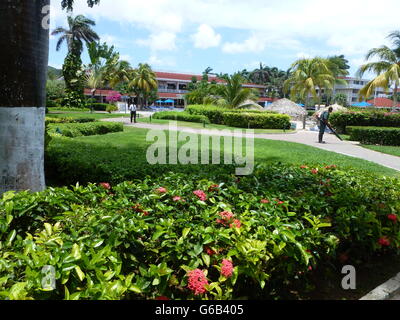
<point x="143" y="82"/>
<point x="387" y="68"/>
<point x="260" y="75"/>
<point x="79" y="31"/>
<point x="23" y="68"/>
<point x="306" y="76"/>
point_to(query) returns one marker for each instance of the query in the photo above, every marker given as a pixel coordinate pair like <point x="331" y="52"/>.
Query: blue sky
<point x="231" y="35"/>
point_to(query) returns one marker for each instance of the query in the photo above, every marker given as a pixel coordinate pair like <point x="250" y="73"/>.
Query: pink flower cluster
<point x="197" y="282"/>
<point x="228" y="219"/>
<point x="227" y="268"/>
<point x="177" y="199"/>
<point x="162" y="190"/>
<point x="392" y="217"/>
<point x="105" y="185"/>
<point x="384" y="242"/>
<point x="200" y="194"/>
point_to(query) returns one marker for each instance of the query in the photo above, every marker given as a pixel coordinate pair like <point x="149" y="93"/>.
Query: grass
<point x="394" y="151"/>
<point x="94" y="115"/>
<point x="126" y="151"/>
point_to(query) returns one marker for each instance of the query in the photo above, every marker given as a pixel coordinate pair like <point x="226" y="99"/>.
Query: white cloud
<point x="164" y="41"/>
<point x="206" y="37"/>
<point x="252" y="44"/>
<point x="156" y="61"/>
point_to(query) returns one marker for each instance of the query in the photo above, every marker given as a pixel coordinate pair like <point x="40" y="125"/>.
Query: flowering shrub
<point x="129" y="241"/>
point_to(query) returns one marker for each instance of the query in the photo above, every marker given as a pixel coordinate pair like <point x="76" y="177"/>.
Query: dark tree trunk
<point x="24" y="41"/>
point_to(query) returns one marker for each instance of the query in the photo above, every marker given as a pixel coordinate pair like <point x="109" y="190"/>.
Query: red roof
<point x="188" y="77"/>
<point x="265" y="100"/>
<point x="382" y="102"/>
<point x="100" y="92"/>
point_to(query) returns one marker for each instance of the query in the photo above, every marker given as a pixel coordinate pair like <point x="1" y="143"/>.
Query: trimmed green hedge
<point x="180" y="116"/>
<point x="69" y="120"/>
<point x="341" y="120"/>
<point x="375" y="135"/>
<point x="99" y="106"/>
<point x="73" y="130"/>
<point x="257" y="121"/>
<point x="215" y="114"/>
<point x="68" y="109"/>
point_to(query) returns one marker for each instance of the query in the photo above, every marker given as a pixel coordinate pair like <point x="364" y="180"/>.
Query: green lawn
<point x="394" y="151"/>
<point x="132" y="144"/>
<point x="97" y="116"/>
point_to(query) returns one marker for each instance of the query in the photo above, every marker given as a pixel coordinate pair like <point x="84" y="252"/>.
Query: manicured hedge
<point x="375" y="135"/>
<point x="73" y="130"/>
<point x="180" y="116"/>
<point x="99" y="106"/>
<point x="215" y="114"/>
<point x="68" y="109"/>
<point x="341" y="120"/>
<point x="69" y="120"/>
<point x="142" y="240"/>
<point x="256" y="120"/>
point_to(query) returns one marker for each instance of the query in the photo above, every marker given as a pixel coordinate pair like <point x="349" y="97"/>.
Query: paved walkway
<point x="348" y="148"/>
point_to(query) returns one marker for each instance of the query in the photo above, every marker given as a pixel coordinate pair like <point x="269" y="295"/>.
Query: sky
<point x="230" y="35"/>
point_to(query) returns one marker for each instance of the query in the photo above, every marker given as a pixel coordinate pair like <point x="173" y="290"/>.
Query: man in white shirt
<point x="132" y="109"/>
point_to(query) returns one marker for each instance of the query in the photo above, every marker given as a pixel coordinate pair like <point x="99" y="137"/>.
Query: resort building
<point x="173" y="86"/>
<point x="353" y="87"/>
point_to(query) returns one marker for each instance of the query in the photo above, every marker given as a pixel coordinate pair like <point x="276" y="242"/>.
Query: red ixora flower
<point x="177" y="198"/>
<point x="161" y="190"/>
<point x="227" y="268"/>
<point x="384" y="242"/>
<point x="392" y="217"/>
<point x="314" y="171"/>
<point x="210" y="251"/>
<point x="264" y="201"/>
<point x="197" y="282"/>
<point x="105" y="185"/>
<point x="162" y="298"/>
<point x="200" y="194"/>
<point x="303" y="167"/>
<point x="214" y="187"/>
<point x="236" y="224"/>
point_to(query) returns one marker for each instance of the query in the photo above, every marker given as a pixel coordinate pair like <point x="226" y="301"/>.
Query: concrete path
<point x="310" y="138"/>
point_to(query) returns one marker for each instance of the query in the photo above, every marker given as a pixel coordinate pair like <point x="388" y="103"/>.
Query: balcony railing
<point x="163" y="90"/>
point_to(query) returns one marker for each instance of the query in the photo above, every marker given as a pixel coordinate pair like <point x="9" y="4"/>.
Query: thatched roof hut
<point x="336" y="108"/>
<point x="286" y="106"/>
<point x="251" y="105"/>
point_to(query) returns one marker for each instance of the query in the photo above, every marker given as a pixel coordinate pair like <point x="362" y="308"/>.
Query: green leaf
<point x="156" y="282"/>
<point x="76" y="252"/>
<point x="157" y="234"/>
<point x="135" y="289"/>
<point x="48" y="228"/>
<point x="11" y="237"/>
<point x="206" y="259"/>
<point x="80" y="273"/>
<point x="185" y="232"/>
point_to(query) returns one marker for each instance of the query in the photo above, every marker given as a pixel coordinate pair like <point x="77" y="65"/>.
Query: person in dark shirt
<point x="323" y="122"/>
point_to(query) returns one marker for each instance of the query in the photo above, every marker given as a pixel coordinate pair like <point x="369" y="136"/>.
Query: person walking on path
<point x="133" y="109"/>
<point x="323" y="122"/>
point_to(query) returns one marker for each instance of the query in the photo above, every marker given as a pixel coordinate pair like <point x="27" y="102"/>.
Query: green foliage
<point x="340" y="120"/>
<point x="256" y="120"/>
<point x="111" y="108"/>
<point x="74" y="99"/>
<point x="375" y="135"/>
<point x="54" y="109"/>
<point x="181" y="116"/>
<point x="68" y="120"/>
<point x="55" y="90"/>
<point x="216" y="114"/>
<point x="129" y="241"/>
<point x="98" y="106"/>
<point x="73" y="130"/>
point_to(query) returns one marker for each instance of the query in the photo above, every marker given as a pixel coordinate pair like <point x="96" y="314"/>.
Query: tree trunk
<point x="24" y="39"/>
<point x="395" y="97"/>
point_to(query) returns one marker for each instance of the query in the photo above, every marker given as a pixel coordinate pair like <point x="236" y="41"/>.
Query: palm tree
<point x="25" y="36"/>
<point x="79" y="31"/>
<point x="261" y="75"/>
<point x="387" y="69"/>
<point x="233" y="95"/>
<point x="143" y="82"/>
<point x="306" y="76"/>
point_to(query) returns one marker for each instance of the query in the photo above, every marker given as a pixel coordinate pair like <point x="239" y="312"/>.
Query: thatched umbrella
<point x="285" y="106"/>
<point x="336" y="108"/>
